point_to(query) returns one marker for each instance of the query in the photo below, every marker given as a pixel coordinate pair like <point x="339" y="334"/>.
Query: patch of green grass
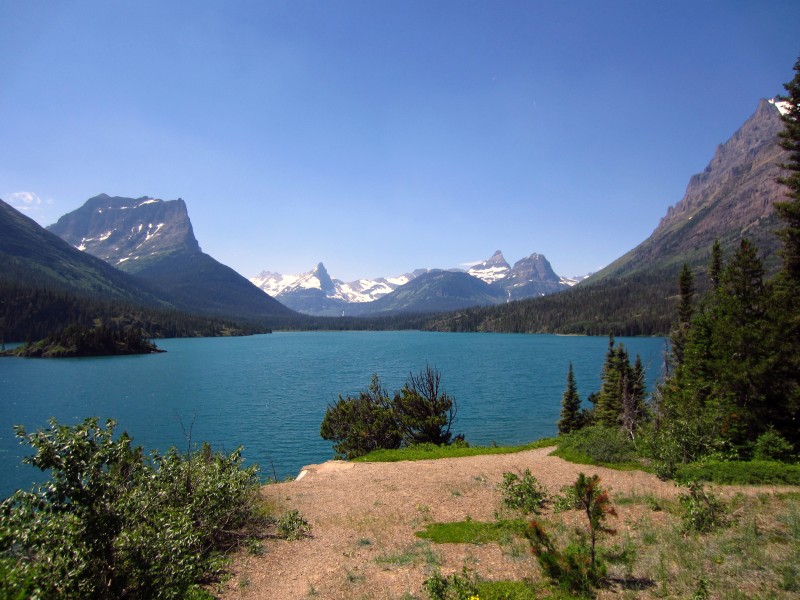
<point x="432" y="451"/>
<point x="602" y="446"/>
<point x="471" y="532"/>
<point x="755" y="472"/>
<point x="506" y="590"/>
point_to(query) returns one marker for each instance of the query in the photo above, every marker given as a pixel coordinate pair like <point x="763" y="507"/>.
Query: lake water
<point x="269" y="392"/>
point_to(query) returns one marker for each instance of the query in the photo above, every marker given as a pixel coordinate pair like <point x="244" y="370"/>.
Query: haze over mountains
<point x="315" y="292"/>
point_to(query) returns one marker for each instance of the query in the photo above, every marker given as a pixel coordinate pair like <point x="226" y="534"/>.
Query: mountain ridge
<point x="154" y="239"/>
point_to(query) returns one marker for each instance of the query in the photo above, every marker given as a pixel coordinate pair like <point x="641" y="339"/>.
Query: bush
<point x="596" y="445"/>
<point x="771" y="445"/>
<point x="110" y="524"/>
<point x="418" y="414"/>
<point x="703" y="512"/>
<point x="524" y="493"/>
<point x="453" y="587"/>
<point x="755" y="472"/>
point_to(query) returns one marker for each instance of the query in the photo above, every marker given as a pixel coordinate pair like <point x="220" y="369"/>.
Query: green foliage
<point x="358" y="425"/>
<point x="292" y="526"/>
<point x="523" y="493"/>
<point x="79" y="340"/>
<point x="570" y="569"/>
<point x="755" y="472"/>
<point x="571" y="416"/>
<point x="110" y="524"/>
<point x="420" y="413"/>
<point x="597" y="445"/>
<point x="456" y="586"/>
<point x="577" y="568"/>
<point x="424" y="413"/>
<point x="703" y="511"/>
<point x="771" y="445"/>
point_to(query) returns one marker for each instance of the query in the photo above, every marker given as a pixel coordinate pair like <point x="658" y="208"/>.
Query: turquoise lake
<point x="269" y="393"/>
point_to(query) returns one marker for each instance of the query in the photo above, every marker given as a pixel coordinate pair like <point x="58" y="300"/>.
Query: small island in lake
<point x="79" y="340"/>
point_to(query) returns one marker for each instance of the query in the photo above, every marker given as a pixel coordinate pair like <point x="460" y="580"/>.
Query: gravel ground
<point x="364" y="515"/>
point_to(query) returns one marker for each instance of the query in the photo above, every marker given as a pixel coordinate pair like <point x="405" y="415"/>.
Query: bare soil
<point x="364" y="515"/>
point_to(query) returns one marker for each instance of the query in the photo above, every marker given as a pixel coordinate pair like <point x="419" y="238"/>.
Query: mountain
<point x="31" y="255"/>
<point x="635" y="295"/>
<point x="732" y="198"/>
<point x="491" y="270"/>
<point x="154" y="240"/>
<point x="316" y="293"/>
<point x="434" y="291"/>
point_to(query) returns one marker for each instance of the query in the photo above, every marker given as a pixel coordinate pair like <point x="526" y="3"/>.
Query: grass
<point x="432" y="451"/>
<point x="471" y="532"/>
<point x="756" y="472"/>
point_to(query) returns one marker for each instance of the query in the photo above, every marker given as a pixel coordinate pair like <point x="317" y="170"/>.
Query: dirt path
<point x="364" y="516"/>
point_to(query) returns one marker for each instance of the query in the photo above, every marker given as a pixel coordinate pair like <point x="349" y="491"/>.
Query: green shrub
<point x="453" y="587"/>
<point x="755" y="472"/>
<point x="596" y="445"/>
<point x="703" y="511"/>
<point x="771" y="445"/>
<point x="110" y="524"/>
<point x="571" y="569"/>
<point x="524" y="493"/>
<point x="292" y="526"/>
<point x="420" y="413"/>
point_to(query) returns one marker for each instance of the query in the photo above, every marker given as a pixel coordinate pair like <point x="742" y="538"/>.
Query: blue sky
<point x="379" y="136"/>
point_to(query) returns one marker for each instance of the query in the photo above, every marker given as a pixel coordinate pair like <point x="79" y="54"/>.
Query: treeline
<point x="29" y="313"/>
<point x="638" y="304"/>
<point x="79" y="340"/>
<point x="732" y="391"/>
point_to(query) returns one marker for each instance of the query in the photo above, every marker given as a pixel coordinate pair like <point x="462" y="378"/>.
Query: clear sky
<point x="382" y="136"/>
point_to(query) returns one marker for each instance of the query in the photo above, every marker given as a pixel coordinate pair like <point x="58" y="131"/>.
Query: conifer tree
<point x="571" y="418"/>
<point x="685" y="312"/>
<point x="789" y="210"/>
<point x="715" y="268"/>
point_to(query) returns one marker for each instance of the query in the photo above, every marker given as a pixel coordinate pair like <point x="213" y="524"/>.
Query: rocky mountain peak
<point x="326" y="284"/>
<point x="750" y="154"/>
<point x="491" y="269"/>
<point x="125" y="231"/>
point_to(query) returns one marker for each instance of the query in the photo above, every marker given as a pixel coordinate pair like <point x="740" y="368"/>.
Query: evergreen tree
<point x="789" y="211"/>
<point x="715" y="268"/>
<point x="571" y="418"/>
<point x="685" y="312"/>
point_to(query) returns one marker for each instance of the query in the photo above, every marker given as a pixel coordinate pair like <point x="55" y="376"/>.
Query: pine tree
<point x="715" y="268"/>
<point x="789" y="210"/>
<point x="571" y="418"/>
<point x="685" y="312"/>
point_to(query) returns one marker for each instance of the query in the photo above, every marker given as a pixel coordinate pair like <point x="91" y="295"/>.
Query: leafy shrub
<point x="703" y="511"/>
<point x="453" y="587"/>
<point x="363" y="423"/>
<point x="596" y="445"/>
<point x="420" y="413"/>
<point x="771" y="445"/>
<point x="292" y="526"/>
<point x="110" y="524"/>
<point x="524" y="493"/>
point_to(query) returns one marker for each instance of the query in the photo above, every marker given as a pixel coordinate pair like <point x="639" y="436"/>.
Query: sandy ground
<point x="364" y="515"/>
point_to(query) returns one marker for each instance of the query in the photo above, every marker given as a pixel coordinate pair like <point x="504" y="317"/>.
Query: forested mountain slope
<point x="635" y="295"/>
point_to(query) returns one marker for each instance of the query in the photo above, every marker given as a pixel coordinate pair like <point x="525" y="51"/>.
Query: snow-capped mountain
<point x="154" y="240"/>
<point x="492" y="269"/>
<point x="315" y="292"/>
